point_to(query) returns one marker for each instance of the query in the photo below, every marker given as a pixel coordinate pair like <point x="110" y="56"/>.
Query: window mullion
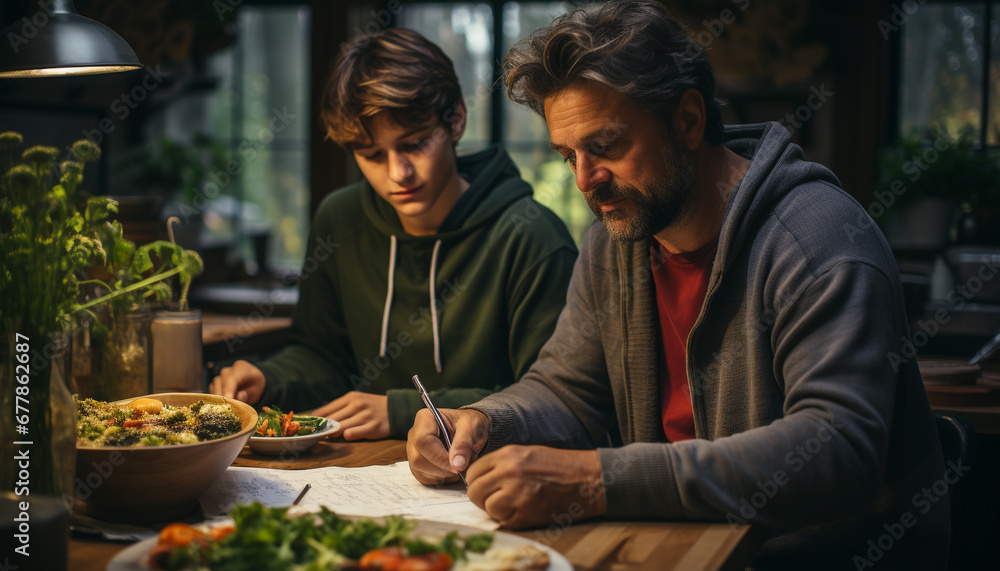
<point x="984" y="121"/>
<point x="497" y="92"/>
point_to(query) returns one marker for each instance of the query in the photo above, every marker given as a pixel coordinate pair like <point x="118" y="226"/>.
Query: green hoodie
<point x="365" y="319"/>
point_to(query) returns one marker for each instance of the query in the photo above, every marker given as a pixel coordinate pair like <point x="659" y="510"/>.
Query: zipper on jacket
<point x="700" y="421"/>
<point x="625" y="262"/>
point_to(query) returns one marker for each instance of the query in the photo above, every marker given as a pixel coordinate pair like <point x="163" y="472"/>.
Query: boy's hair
<point x="632" y="46"/>
<point x="395" y="70"/>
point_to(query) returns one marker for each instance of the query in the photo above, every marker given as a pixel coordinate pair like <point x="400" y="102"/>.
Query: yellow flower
<point x="21" y="177"/>
<point x="86" y="151"/>
<point x="73" y="167"/>
<point x="40" y="154"/>
<point x="10" y="139"/>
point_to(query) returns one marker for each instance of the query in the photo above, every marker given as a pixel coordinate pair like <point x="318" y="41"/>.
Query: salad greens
<point x="267" y="539"/>
<point x="273" y="422"/>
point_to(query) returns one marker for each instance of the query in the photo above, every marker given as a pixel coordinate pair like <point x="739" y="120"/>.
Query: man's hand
<point x="430" y="463"/>
<point x="361" y="415"/>
<point x="242" y="381"/>
<point x="526" y="486"/>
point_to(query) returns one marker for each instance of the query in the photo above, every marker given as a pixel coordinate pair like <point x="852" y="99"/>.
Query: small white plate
<point x="134" y="557"/>
<point x="276" y="445"/>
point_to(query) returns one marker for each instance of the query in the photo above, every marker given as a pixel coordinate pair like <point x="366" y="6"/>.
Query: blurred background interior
<point x="221" y="127"/>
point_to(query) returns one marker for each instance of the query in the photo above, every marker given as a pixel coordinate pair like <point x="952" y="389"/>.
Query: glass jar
<point x="39" y="439"/>
<point x="177" y="358"/>
<point x="120" y="357"/>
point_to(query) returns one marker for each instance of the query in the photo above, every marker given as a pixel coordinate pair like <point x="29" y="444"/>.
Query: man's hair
<point x="633" y="46"/>
<point x="395" y="70"/>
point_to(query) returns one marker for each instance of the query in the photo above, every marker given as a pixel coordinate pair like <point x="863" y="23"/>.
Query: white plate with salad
<point x="281" y="433"/>
<point x="268" y="539"/>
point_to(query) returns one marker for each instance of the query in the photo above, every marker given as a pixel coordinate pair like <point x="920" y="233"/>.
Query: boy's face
<point x="413" y="169"/>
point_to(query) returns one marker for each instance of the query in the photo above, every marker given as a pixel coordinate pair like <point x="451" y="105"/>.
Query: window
<point x="949" y="76"/>
<point x="262" y="108"/>
<point x="255" y="103"/>
<point x="468" y="32"/>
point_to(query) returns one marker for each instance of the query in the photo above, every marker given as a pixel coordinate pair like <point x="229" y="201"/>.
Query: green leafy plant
<point x="135" y="276"/>
<point x="938" y="165"/>
<point x="52" y="235"/>
<point x="179" y="168"/>
<point x="48" y="233"/>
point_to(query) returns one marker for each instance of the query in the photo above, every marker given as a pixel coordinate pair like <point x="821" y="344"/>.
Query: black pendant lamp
<point x="55" y="40"/>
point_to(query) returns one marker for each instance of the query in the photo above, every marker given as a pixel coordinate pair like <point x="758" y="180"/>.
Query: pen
<point x="301" y="494"/>
<point x="437" y="418"/>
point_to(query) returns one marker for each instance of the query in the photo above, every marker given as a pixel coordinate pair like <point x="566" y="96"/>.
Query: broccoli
<point x="176" y="417"/>
<point x="212" y="425"/>
<point x="88" y="429"/>
<point x="153" y="440"/>
<point x="87" y="407"/>
<point x="120" y="414"/>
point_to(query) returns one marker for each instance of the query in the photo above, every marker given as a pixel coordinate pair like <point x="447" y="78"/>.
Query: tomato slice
<point x="385" y="559"/>
<point x="219" y="533"/>
<point x="180" y="534"/>
<point x="438" y="561"/>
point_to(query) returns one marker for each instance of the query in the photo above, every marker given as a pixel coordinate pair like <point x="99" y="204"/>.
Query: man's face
<point x="413" y="169"/>
<point x="636" y="179"/>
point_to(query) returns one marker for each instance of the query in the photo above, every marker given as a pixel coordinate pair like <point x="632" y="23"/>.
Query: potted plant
<point x="50" y="234"/>
<point x="924" y="184"/>
<point x="180" y="172"/>
<point x="113" y="358"/>
<point x="44" y="238"/>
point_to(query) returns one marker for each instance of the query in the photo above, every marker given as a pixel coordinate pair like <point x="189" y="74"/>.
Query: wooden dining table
<point x="591" y="545"/>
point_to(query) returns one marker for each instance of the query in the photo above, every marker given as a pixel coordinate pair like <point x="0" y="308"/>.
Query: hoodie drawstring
<point x="434" y="313"/>
<point x="388" y="301"/>
<point x="388" y="295"/>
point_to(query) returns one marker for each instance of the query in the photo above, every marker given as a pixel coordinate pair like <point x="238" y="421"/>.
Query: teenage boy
<point x="438" y="265"/>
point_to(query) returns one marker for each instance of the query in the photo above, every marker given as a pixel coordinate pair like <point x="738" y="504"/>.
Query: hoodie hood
<point x="494" y="183"/>
<point x="777" y="166"/>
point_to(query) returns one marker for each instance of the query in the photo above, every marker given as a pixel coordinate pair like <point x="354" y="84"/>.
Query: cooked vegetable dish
<point x="149" y="422"/>
<point x="272" y="422"/>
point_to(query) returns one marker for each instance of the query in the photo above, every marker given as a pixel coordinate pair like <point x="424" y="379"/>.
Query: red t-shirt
<point x="681" y="282"/>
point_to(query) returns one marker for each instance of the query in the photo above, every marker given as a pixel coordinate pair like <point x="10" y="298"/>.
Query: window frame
<point x="896" y="80"/>
<point x="497" y="95"/>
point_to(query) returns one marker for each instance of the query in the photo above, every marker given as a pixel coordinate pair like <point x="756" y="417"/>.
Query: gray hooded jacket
<point x="810" y="422"/>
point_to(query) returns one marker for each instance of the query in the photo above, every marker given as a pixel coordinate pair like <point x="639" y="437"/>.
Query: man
<point x="719" y="318"/>
<point x="435" y="264"/>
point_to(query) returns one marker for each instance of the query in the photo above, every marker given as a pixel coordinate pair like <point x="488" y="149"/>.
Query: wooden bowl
<point x="158" y="483"/>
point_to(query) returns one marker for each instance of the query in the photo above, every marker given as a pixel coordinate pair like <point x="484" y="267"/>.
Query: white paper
<point x="371" y="491"/>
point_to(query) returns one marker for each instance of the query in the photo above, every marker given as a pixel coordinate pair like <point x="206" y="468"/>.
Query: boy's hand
<point x="361" y="415"/>
<point x="241" y="381"/>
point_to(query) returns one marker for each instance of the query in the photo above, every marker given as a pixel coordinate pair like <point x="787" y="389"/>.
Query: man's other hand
<point x="527" y="486"/>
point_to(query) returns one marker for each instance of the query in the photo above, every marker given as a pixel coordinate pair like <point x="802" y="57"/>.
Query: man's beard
<point x="656" y="206"/>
